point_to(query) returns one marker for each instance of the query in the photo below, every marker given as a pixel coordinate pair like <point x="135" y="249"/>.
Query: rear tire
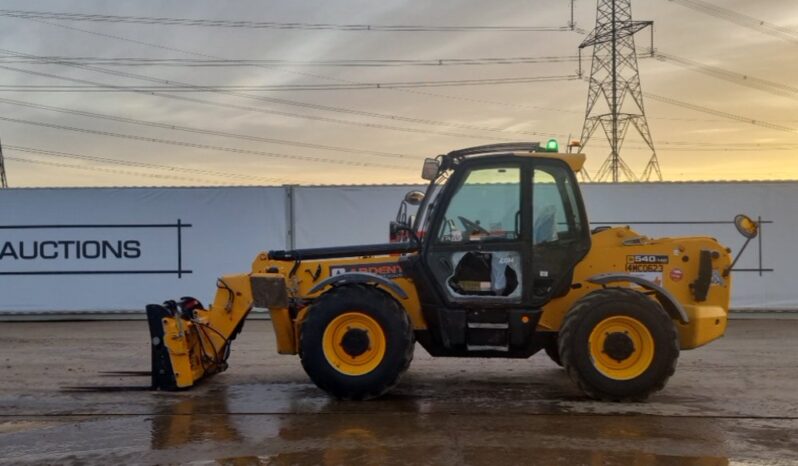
<point x="618" y="345"/>
<point x="356" y="342"/>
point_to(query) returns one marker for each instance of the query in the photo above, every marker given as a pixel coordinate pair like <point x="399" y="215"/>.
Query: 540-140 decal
<point x="646" y="262"/>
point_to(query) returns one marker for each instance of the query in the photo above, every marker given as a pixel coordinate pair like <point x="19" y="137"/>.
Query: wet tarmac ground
<point x="732" y="402"/>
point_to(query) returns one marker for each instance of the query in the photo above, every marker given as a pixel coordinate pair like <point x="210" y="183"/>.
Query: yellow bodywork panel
<point x="672" y="263"/>
<point x="310" y="272"/>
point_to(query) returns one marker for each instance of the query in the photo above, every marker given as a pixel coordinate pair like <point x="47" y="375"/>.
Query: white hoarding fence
<point x="120" y="249"/>
<point x="767" y="269"/>
<point x="117" y="249"/>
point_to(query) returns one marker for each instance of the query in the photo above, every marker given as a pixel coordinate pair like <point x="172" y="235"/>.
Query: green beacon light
<point x="552" y="146"/>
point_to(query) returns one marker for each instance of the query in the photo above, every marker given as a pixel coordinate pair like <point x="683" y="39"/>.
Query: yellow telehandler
<point x="499" y="261"/>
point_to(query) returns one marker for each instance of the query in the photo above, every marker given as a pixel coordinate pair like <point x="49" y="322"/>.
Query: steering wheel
<point x="471" y="226"/>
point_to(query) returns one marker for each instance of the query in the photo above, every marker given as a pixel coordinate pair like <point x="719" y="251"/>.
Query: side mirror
<point x="430" y="170"/>
<point x="414" y="197"/>
<point x="747" y="227"/>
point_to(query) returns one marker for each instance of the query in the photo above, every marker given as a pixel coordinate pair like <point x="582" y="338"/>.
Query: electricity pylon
<point x="614" y="76"/>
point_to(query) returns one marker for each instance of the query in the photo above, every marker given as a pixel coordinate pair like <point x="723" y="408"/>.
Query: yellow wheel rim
<point x="626" y="362"/>
<point x="345" y="347"/>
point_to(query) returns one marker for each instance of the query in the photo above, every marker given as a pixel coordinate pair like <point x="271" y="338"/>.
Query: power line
<point x="290" y="102"/>
<point x="223" y="23"/>
<point x="198" y="146"/>
<point x="307" y="105"/>
<point x="333" y="109"/>
<point x="288" y="87"/>
<point x="271" y="140"/>
<point x="315" y="146"/>
<point x="153" y="166"/>
<point x="727" y="115"/>
<point x="188" y="129"/>
<point x="727" y="149"/>
<point x="296" y="103"/>
<point x="719" y="113"/>
<point x="752" y="145"/>
<point x="275" y="112"/>
<point x="207" y="62"/>
<point x="258" y="109"/>
<point x="772" y="87"/>
<point x="251" y="97"/>
<point x="103" y="170"/>
<point x="216" y="57"/>
<point x="784" y="33"/>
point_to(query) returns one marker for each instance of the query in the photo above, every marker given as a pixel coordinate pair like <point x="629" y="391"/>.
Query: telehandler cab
<point x="499" y="261"/>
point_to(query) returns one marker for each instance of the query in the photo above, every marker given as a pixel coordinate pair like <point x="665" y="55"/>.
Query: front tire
<point x="553" y="351"/>
<point x="356" y="342"/>
<point x="617" y="344"/>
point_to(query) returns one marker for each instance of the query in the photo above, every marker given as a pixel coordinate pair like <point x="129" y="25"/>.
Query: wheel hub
<point x="355" y="342"/>
<point x="619" y="346"/>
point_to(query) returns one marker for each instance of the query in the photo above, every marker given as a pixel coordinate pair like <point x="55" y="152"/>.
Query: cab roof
<point x="520" y="149"/>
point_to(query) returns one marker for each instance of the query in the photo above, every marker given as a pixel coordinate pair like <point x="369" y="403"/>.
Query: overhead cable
<point x="303" y="104"/>
<point x="225" y="23"/>
<point x="197" y="145"/>
<point x="781" y="32"/>
<point x="108" y="170"/>
<point x="765" y="85"/>
<point x="726" y="115"/>
<point x="287" y="87"/>
<point x="227" y="63"/>
<point x="188" y="129"/>
<point x="180" y="171"/>
<point x="289" y="102"/>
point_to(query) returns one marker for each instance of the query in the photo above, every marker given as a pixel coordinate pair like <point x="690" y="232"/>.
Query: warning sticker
<point x="646" y="262"/>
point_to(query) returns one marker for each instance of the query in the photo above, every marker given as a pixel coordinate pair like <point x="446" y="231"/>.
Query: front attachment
<point x="185" y="347"/>
<point x="163" y="377"/>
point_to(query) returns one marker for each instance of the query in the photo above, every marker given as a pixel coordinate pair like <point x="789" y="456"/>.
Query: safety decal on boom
<point x="387" y="269"/>
<point x="646" y="263"/>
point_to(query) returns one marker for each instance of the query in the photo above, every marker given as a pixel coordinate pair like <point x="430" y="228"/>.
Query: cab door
<point x="478" y="251"/>
<point x="560" y="235"/>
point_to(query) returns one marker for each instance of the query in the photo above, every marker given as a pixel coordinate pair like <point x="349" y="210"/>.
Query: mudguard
<point x="360" y="277"/>
<point x="668" y="301"/>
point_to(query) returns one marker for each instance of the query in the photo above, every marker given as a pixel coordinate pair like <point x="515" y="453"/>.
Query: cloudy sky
<point x="58" y="130"/>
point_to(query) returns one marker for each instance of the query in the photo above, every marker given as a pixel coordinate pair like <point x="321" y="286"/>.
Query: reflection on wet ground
<point x="444" y="412"/>
<point x="290" y="424"/>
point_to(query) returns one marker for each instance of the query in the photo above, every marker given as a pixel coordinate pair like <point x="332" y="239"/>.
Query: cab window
<point x="485" y="207"/>
<point x="555" y="213"/>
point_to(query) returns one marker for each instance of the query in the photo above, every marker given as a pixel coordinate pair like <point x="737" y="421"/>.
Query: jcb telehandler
<point x="499" y="261"/>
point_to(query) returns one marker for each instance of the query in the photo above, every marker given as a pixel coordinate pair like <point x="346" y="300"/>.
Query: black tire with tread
<point x="593" y="308"/>
<point x="395" y="323"/>
<point x="552" y="350"/>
